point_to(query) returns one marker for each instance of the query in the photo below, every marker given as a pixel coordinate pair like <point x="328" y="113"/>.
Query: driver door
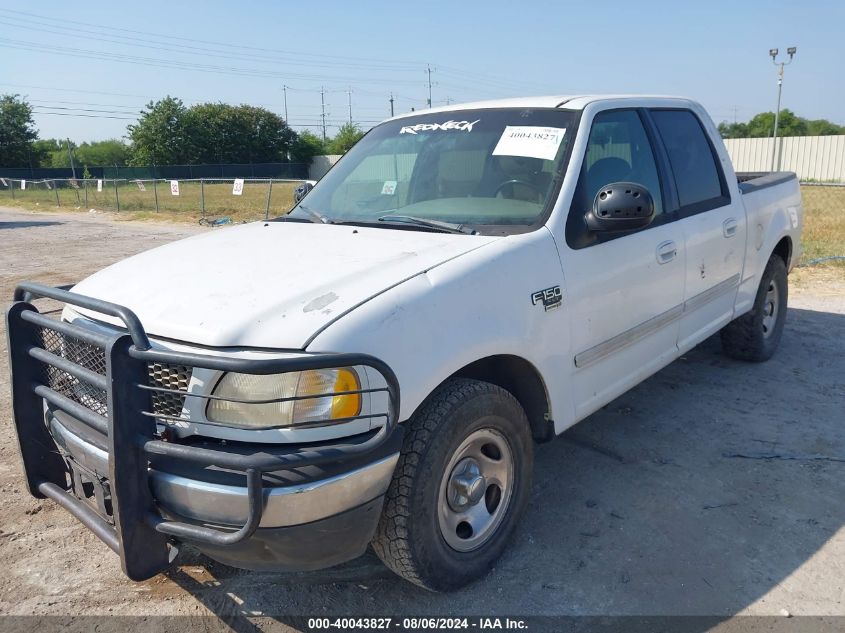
<point x="625" y="289"/>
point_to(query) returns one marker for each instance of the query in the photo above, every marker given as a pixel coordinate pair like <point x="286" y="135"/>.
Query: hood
<point x="271" y="285"/>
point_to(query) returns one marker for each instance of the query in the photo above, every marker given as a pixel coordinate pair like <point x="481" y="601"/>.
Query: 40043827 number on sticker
<point x="530" y="141"/>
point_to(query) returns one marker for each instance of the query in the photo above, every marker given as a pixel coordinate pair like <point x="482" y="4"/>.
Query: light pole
<point x="774" y="53"/>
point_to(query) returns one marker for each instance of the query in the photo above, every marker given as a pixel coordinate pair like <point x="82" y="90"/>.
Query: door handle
<point x="666" y="251"/>
<point x="729" y="227"/>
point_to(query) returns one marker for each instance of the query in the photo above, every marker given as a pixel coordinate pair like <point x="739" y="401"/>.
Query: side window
<point x="697" y="175"/>
<point x="618" y="150"/>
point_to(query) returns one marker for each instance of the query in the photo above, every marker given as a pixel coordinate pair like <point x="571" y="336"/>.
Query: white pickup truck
<point x="508" y="267"/>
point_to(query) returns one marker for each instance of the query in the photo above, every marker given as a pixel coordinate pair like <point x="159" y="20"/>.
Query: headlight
<point x="252" y="401"/>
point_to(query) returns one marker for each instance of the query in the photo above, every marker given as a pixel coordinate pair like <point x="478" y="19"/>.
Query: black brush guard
<point x="135" y="529"/>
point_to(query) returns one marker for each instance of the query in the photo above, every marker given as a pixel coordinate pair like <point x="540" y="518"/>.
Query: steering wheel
<point x="516" y="181"/>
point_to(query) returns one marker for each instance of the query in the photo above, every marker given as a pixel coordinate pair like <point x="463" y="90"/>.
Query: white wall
<point x="320" y="165"/>
<point x="819" y="158"/>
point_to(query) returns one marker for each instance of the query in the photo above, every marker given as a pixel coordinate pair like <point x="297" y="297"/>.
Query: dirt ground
<point x="714" y="488"/>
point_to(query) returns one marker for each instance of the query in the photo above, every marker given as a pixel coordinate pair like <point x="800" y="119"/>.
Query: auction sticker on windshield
<point x="530" y="141"/>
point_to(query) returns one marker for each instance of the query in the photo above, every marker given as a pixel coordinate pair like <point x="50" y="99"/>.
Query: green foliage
<point x="109" y="152"/>
<point x="789" y="124"/>
<point x="306" y="146"/>
<point x="100" y="153"/>
<point x="43" y="151"/>
<point x="159" y="137"/>
<point x="17" y="132"/>
<point x="346" y="137"/>
<point x="823" y="127"/>
<point x="168" y="133"/>
<point x="733" y="130"/>
<point x="222" y="133"/>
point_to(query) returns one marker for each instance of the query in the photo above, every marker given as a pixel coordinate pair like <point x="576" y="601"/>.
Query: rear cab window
<point x="698" y="176"/>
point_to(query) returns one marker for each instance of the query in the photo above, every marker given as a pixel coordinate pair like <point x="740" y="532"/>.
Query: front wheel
<point x="755" y="335"/>
<point x="462" y="481"/>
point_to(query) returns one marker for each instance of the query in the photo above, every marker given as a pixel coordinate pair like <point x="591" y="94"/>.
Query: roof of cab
<point x="571" y="102"/>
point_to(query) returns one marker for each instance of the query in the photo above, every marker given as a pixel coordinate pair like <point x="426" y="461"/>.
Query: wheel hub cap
<point x="770" y="309"/>
<point x="475" y="490"/>
<point x="466" y="485"/>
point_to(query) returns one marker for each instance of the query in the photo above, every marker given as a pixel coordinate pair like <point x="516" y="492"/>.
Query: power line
<point x="192" y="50"/>
<point x="168" y="39"/>
<point x="173" y="64"/>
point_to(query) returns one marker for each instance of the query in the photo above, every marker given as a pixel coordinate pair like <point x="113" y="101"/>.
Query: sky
<point x="89" y="68"/>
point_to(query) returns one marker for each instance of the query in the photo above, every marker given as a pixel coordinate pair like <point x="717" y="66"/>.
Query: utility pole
<point x="70" y="154"/>
<point x="285" y="90"/>
<point x="349" y="95"/>
<point x="774" y="53"/>
<point x="448" y="100"/>
<point x="391" y="104"/>
<point x="428" y="70"/>
<point x="323" y="106"/>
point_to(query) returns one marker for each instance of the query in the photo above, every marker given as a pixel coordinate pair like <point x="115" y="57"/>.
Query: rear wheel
<point x="755" y="335"/>
<point x="462" y="482"/>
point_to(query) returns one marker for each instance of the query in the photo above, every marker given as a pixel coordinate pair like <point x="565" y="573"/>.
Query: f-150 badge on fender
<point x="550" y="297"/>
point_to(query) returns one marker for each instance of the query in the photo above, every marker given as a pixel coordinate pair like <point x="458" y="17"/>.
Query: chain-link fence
<point x="237" y="200"/>
<point x="281" y="171"/>
<point x="208" y="198"/>
<point x="823" y="237"/>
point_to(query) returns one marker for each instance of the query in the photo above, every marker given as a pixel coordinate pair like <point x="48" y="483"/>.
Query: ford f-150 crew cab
<point x="375" y="367"/>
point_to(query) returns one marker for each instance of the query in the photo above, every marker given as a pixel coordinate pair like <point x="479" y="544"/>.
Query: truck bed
<point x="755" y="180"/>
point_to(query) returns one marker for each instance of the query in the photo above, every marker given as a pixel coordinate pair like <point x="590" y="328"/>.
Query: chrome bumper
<point x="228" y="505"/>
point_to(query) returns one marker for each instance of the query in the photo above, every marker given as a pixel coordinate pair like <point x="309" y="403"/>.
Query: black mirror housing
<point x="301" y="191"/>
<point x="621" y="206"/>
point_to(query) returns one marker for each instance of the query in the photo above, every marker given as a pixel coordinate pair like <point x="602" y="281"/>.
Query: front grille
<point x="174" y="377"/>
<point x="93" y="358"/>
<point x="85" y="355"/>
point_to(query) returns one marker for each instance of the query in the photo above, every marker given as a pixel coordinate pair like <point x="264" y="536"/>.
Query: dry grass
<point x="823" y="236"/>
<point x="215" y="198"/>
<point x="824" y="223"/>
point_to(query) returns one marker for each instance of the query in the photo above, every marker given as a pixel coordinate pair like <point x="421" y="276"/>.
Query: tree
<point x="733" y="130"/>
<point x="222" y="133"/>
<point x="789" y="124"/>
<point x="823" y="127"/>
<point x="763" y="124"/>
<point x="306" y="146"/>
<point x="159" y="137"/>
<point x="168" y="133"/>
<point x="346" y="137"/>
<point x="108" y="152"/>
<point x="96" y="153"/>
<point x="44" y="152"/>
<point x="17" y="132"/>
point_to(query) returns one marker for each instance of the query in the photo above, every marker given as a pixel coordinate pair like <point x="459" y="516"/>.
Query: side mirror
<point x="621" y="206"/>
<point x="302" y="190"/>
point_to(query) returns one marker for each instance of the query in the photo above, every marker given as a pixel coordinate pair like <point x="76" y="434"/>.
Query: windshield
<point x="481" y="168"/>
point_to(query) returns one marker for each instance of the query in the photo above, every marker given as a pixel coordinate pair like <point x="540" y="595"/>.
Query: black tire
<point x="409" y="539"/>
<point x="750" y="337"/>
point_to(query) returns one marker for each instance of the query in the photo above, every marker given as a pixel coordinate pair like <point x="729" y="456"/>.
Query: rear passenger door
<point x="713" y="225"/>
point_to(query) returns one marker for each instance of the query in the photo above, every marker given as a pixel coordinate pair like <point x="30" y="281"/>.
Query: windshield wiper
<point x="316" y="215"/>
<point x="447" y="227"/>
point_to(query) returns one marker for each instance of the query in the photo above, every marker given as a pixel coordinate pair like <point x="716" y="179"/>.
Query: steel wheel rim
<point x="770" y="309"/>
<point x="475" y="490"/>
